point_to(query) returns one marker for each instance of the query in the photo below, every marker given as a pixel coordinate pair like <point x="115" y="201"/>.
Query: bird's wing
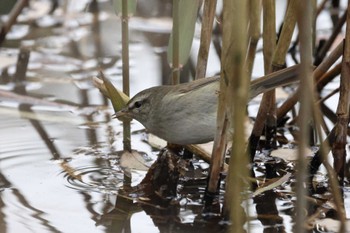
<point x="196" y="84"/>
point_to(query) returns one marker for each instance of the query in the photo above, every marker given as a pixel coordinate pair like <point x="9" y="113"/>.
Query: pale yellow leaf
<point x="133" y="160"/>
<point x="290" y="154"/>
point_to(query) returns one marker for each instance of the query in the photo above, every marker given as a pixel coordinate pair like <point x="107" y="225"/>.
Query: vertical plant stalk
<point x="236" y="82"/>
<point x="278" y="62"/>
<point x="268" y="101"/>
<point x="269" y="98"/>
<point x="285" y="37"/>
<point x="206" y="31"/>
<point x="125" y="60"/>
<point x="238" y="91"/>
<point x="305" y="14"/>
<point x="341" y="127"/>
<point x="254" y="32"/>
<point x="220" y="142"/>
<point x="176" y="43"/>
<point x="269" y="33"/>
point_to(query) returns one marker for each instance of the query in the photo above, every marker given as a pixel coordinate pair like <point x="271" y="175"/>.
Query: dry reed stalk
<point x="269" y="44"/>
<point x="328" y="76"/>
<point x="339" y="146"/>
<point x="269" y="33"/>
<point x="318" y="72"/>
<point x="267" y="110"/>
<point x="285" y="37"/>
<point x="205" y="40"/>
<point x="321" y="7"/>
<point x="236" y="84"/>
<point x="253" y="32"/>
<point x="305" y="12"/>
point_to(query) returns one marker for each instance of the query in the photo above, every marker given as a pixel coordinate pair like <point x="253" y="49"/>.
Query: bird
<point x="186" y="113"/>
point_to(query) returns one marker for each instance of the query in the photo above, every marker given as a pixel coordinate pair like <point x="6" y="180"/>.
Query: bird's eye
<point x="138" y="104"/>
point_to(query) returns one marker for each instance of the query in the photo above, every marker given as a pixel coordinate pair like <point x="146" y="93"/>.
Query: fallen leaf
<point x="272" y="184"/>
<point x="156" y="142"/>
<point x="290" y="154"/>
<point x="133" y="160"/>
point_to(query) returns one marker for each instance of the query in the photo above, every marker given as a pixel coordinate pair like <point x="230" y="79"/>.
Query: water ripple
<point x="90" y="178"/>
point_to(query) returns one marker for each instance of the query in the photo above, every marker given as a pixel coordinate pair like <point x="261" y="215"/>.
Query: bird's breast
<point x="187" y="119"/>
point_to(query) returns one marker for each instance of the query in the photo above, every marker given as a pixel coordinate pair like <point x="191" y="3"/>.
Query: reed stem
<point x="126" y="78"/>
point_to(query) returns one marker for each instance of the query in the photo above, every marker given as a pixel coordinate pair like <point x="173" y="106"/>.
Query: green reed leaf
<point x="188" y="15"/>
<point x="117" y="5"/>
<point x="118" y="98"/>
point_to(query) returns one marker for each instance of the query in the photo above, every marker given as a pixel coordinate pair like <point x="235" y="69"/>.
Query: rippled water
<point x="59" y="168"/>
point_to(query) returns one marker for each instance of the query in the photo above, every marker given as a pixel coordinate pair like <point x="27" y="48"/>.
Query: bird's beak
<point x="123" y="114"/>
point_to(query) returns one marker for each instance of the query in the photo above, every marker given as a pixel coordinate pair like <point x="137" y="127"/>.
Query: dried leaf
<point x="70" y="171"/>
<point x="289" y="154"/>
<point x="133" y="160"/>
<point x="156" y="142"/>
<point x="274" y="184"/>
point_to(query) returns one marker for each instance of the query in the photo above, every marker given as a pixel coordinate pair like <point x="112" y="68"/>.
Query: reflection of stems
<point x="43" y="134"/>
<point x="16" y="10"/>
<point x="96" y="30"/>
<point x="125" y="59"/>
<point x="22" y="64"/>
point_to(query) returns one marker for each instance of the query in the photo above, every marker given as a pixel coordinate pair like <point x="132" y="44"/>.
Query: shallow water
<point x="60" y="164"/>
